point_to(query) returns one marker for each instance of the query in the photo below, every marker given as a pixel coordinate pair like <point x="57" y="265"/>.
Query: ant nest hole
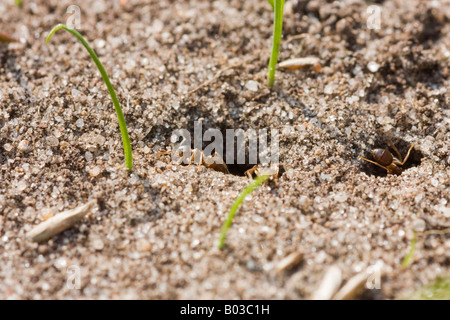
<point x="239" y="169"/>
<point x="381" y="142"/>
<point x="236" y="167"/>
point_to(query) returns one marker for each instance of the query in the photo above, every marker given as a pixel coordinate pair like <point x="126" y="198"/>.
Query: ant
<point x="270" y="170"/>
<point x="198" y="157"/>
<point x="384" y="159"/>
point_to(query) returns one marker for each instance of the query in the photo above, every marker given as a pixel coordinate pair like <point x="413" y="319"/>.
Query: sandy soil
<point x="155" y="231"/>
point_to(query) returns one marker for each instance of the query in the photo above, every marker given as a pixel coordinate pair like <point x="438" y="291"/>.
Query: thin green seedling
<point x="278" y="6"/>
<point x="439" y="289"/>
<point x="122" y="124"/>
<point x="18" y="3"/>
<point x="249" y="189"/>
<point x="409" y="257"/>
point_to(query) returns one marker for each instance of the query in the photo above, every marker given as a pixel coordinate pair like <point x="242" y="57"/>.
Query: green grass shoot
<point x="409" y="257"/>
<point x="278" y="6"/>
<point x="18" y="3"/>
<point x="249" y="189"/>
<point x="439" y="289"/>
<point x="122" y="124"/>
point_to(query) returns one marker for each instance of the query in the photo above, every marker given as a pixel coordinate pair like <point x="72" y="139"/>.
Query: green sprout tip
<point x="122" y="123"/>
<point x="249" y="189"/>
<point x="278" y="6"/>
<point x="409" y="257"/>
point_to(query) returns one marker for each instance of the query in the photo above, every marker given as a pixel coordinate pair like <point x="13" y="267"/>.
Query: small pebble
<point x="305" y="203"/>
<point x="329" y="89"/>
<point x="21" y="186"/>
<point x="60" y="263"/>
<point x="143" y="245"/>
<point x="45" y="286"/>
<point x="8" y="147"/>
<point x="52" y="141"/>
<point x="99" y="139"/>
<point x="97" y="244"/>
<point x="373" y="66"/>
<point x="251" y="265"/>
<point x="419" y="225"/>
<point x="76" y="93"/>
<point x="100" y="43"/>
<point x="95" y="171"/>
<point x="23" y="145"/>
<point x="252" y="85"/>
<point x="88" y="156"/>
<point x="418" y="198"/>
<point x="434" y="182"/>
<point x="46" y="213"/>
<point x="79" y="123"/>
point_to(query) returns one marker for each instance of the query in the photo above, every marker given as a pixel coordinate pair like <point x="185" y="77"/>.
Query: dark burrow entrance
<point x="381" y="142"/>
<point x="241" y="148"/>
